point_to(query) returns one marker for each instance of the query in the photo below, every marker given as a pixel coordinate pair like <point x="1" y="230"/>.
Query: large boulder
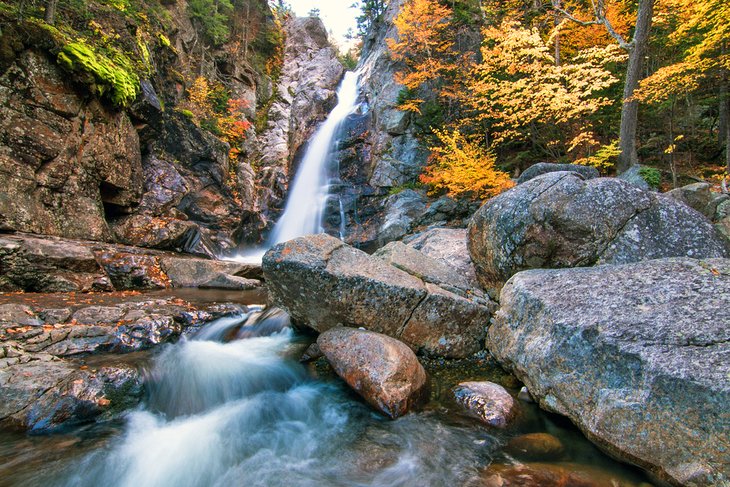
<point x="561" y="220"/>
<point x="587" y="172"/>
<point x="323" y="283"/>
<point x="384" y="371"/>
<point x="635" y="355"/>
<point x="47" y="265"/>
<point x="448" y="245"/>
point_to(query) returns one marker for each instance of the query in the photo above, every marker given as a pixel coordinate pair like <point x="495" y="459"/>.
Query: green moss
<point x="187" y="113"/>
<point x="164" y="41"/>
<point x="651" y="175"/>
<point x="113" y="79"/>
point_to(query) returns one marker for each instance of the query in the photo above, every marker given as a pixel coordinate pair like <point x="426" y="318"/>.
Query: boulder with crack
<point x="323" y="283"/>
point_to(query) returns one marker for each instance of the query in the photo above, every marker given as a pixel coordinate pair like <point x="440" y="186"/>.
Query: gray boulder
<point x="560" y="220"/>
<point x="401" y="211"/>
<point x="699" y="197"/>
<point x="447" y="245"/>
<point x="384" y="371"/>
<point x="323" y="283"/>
<point x="635" y="355"/>
<point x="588" y="172"/>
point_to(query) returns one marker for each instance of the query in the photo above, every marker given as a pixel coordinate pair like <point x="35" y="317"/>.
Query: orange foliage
<point x="425" y="45"/>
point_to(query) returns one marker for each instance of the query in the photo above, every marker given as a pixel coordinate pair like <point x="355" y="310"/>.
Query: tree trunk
<point x="630" y="107"/>
<point x="556" y="22"/>
<point x="726" y="110"/>
<point x="50" y="16"/>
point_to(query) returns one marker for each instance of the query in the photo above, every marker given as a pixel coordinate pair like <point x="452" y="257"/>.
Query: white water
<point x="309" y="190"/>
<point x="308" y="194"/>
<point x="243" y="413"/>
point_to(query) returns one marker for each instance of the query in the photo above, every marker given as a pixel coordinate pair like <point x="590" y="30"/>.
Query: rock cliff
<point x="85" y="159"/>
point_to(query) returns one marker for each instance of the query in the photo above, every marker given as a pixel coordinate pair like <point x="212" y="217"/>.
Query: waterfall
<point x="309" y="189"/>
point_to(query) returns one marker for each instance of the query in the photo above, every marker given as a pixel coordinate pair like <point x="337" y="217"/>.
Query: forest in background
<point x="492" y="86"/>
<point x="496" y="86"/>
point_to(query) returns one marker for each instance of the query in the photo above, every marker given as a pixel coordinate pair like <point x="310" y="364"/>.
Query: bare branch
<point x="599" y="12"/>
<point x="570" y="16"/>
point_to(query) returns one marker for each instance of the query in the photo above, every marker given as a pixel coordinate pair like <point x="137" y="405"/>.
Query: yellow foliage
<point x="704" y="27"/>
<point x="518" y="87"/>
<point x="463" y="168"/>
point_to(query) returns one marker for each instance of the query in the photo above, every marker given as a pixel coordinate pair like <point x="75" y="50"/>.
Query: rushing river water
<point x="233" y="406"/>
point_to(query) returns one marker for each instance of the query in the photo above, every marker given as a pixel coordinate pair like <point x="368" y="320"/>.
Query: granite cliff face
<point x="377" y="151"/>
<point x="79" y="166"/>
<point x="305" y="94"/>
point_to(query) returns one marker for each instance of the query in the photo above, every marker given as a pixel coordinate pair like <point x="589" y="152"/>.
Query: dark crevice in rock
<point x="401" y="328"/>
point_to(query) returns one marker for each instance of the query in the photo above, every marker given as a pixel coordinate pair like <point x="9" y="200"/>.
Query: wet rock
<point x="311" y="353"/>
<point x="587" y="172"/>
<point x="448" y="245"/>
<point x="133" y="271"/>
<point x="189" y="272"/>
<point x="535" y="447"/>
<point x="93" y="315"/>
<point x="487" y="401"/>
<point x="225" y="281"/>
<point x="400" y="214"/>
<point x="636" y="358"/>
<point x="37" y="264"/>
<point x="45" y="395"/>
<point x="18" y="315"/>
<point x="560" y="220"/>
<point x="384" y="371"/>
<point x="324" y="283"/>
<point x="524" y="395"/>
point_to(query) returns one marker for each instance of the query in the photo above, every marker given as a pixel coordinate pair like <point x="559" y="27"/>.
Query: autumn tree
<point x="519" y="93"/>
<point x="462" y="167"/>
<point x="636" y="49"/>
<point x="424" y="46"/>
<point x="704" y="37"/>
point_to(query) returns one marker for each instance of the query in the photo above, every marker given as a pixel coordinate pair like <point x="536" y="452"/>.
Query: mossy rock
<point x="115" y="80"/>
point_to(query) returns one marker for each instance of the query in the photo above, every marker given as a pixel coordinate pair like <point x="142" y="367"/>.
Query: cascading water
<point x="309" y="190"/>
<point x="245" y="413"/>
<point x="308" y="195"/>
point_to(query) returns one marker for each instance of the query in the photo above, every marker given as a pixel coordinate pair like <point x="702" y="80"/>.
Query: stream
<point x="233" y="406"/>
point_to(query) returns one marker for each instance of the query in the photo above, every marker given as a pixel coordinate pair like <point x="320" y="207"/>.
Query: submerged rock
<point x="488" y="401"/>
<point x="553" y="475"/>
<point x="635" y="355"/>
<point x="323" y="283"/>
<point x="560" y="220"/>
<point x="384" y="371"/>
<point x="535" y="446"/>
